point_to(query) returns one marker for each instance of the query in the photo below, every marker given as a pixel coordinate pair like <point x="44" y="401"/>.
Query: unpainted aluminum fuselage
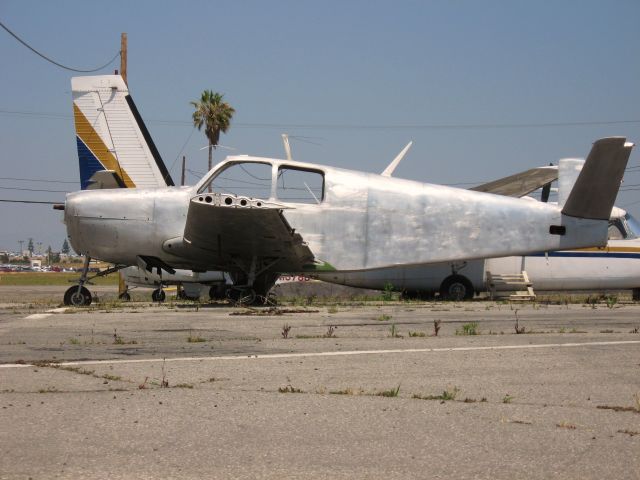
<point x="363" y="221"/>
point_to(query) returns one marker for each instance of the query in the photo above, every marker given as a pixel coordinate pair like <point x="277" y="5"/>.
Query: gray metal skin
<point x="364" y="222"/>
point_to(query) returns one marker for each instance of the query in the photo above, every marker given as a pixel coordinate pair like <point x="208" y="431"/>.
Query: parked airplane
<point x="269" y="216"/>
<point x="115" y="150"/>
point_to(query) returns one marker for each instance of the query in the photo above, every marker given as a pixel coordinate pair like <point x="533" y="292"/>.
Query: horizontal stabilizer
<point x="520" y="184"/>
<point x="597" y="185"/>
<point x="104" y="179"/>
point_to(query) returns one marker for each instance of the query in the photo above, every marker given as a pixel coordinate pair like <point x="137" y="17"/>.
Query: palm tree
<point x="215" y="115"/>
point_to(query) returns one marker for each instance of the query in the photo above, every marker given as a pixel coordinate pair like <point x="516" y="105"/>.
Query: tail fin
<point x="111" y="136"/>
<point x="597" y="186"/>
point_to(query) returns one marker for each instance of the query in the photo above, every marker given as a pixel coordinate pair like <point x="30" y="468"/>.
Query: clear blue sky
<point x="289" y="65"/>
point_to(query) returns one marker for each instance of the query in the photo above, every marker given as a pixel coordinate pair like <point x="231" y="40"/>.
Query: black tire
<point x="158" y="295"/>
<point x="456" y="287"/>
<point x="125" y="297"/>
<point x="635" y="294"/>
<point x="75" y="298"/>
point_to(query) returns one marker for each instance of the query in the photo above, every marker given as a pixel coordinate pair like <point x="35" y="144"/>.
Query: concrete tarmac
<point x="353" y="392"/>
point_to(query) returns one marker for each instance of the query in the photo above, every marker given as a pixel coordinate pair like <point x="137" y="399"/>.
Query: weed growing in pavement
<point x="74" y="341"/>
<point x="289" y="389"/>
<point x="164" y="383"/>
<point x="417" y="334"/>
<point x="195" y="338"/>
<point x="345" y="391"/>
<point x="387" y="294"/>
<point x="118" y="340"/>
<point x="567" y="425"/>
<point x="611" y="300"/>
<point x="183" y="385"/>
<point x="449" y="394"/>
<point x="436" y="327"/>
<point x="394" y="331"/>
<point x="332" y="309"/>
<point x="286" y="328"/>
<point x="468" y="329"/>
<point x="384" y="318"/>
<point x="330" y="331"/>
<point x="507" y="398"/>
<point x="392" y="392"/>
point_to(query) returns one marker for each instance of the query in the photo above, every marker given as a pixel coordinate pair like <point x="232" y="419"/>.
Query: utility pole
<point x="122" y="286"/>
<point x="123" y="57"/>
<point x="184" y="165"/>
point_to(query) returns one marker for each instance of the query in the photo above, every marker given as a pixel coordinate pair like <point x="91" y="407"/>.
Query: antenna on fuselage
<point x="287" y="147"/>
<point x="392" y="166"/>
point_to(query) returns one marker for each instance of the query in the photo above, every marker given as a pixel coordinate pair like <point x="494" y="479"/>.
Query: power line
<point x="37" y="180"/>
<point x="320" y="126"/>
<point x="28" y="201"/>
<point x="53" y="61"/>
<point x="33" y="190"/>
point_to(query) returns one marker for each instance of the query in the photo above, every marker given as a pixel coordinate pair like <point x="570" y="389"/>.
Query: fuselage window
<point x="298" y="185"/>
<point x="615" y="231"/>
<point x="246" y="179"/>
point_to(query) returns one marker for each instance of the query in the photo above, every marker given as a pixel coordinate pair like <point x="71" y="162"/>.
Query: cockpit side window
<point x="300" y="185"/>
<point x="633" y="226"/>
<point x="616" y="230"/>
<point x="247" y="179"/>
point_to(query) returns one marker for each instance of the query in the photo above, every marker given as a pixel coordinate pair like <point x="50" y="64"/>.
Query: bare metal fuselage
<point x="363" y="222"/>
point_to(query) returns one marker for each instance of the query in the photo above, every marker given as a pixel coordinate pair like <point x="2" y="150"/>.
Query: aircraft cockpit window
<point x="616" y="232"/>
<point x="297" y="185"/>
<point x="247" y="179"/>
<point x="633" y="226"/>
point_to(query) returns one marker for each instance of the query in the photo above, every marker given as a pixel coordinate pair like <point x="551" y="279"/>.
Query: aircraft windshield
<point x="248" y="179"/>
<point x="633" y="226"/>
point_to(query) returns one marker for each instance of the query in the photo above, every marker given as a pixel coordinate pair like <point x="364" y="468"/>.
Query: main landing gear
<point x="252" y="285"/>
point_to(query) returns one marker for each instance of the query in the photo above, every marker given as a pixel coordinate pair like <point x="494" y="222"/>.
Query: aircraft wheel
<point x="158" y="295"/>
<point x="76" y="298"/>
<point x="456" y="287"/>
<point x="635" y="294"/>
<point x="125" y="297"/>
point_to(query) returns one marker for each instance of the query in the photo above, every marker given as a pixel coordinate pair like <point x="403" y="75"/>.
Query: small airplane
<point x="257" y="217"/>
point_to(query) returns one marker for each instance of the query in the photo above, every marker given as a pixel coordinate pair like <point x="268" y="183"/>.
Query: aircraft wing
<point x="520" y="184"/>
<point x="231" y="229"/>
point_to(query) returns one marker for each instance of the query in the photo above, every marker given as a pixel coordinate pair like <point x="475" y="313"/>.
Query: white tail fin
<point x="111" y="135"/>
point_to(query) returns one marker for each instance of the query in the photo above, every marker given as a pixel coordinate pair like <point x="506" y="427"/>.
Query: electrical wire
<point x="28" y="201"/>
<point x="320" y="126"/>
<point x="33" y="190"/>
<point x="53" y="61"/>
<point x="37" y="180"/>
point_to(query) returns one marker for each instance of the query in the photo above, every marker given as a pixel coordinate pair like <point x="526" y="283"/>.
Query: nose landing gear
<point x="79" y="296"/>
